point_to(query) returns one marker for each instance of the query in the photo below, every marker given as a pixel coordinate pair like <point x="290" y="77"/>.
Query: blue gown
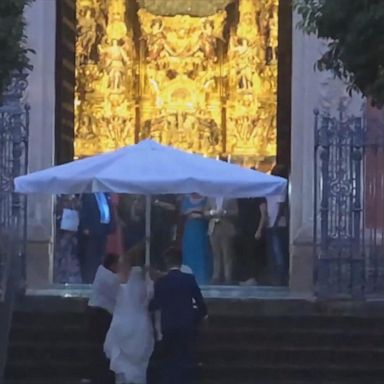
<point x="196" y="248"/>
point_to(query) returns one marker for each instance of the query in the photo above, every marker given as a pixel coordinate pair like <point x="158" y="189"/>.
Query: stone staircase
<point x="247" y="342"/>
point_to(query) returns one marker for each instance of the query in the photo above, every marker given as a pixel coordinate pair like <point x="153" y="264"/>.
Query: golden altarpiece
<point x="196" y="74"/>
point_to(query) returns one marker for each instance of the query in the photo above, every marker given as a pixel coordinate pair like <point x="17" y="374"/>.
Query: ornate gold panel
<point x="206" y="84"/>
<point x="181" y="88"/>
<point x="105" y="77"/>
<point x="252" y="78"/>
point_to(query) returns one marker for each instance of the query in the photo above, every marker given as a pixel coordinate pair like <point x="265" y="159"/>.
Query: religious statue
<point x="245" y="62"/>
<point x="248" y="26"/>
<point x="208" y="131"/>
<point x="116" y="28"/>
<point x="189" y="130"/>
<point x="247" y="129"/>
<point x="272" y="41"/>
<point x="116" y="60"/>
<point x="86" y="35"/>
<point x="118" y="130"/>
<point x="156" y="130"/>
<point x="84" y="129"/>
<point x="208" y="41"/>
<point x="156" y="41"/>
<point x="101" y="14"/>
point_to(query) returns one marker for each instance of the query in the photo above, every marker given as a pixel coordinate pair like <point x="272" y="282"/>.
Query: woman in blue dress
<point x="196" y="248"/>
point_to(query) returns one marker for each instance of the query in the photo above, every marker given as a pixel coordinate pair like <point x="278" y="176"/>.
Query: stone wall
<point x="310" y="89"/>
<point x="41" y="28"/>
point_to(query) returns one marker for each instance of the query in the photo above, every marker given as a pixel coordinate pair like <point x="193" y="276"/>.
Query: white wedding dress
<point x="130" y="342"/>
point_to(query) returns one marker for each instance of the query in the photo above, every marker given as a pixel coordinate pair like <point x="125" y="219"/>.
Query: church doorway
<point x="209" y="78"/>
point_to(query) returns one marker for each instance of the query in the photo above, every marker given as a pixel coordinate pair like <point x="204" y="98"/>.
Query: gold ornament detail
<point x="252" y="68"/>
<point x="206" y="84"/>
<point x="181" y="87"/>
<point x="105" y="78"/>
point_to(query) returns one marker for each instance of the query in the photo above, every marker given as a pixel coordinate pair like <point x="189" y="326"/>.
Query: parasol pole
<point x="148" y="230"/>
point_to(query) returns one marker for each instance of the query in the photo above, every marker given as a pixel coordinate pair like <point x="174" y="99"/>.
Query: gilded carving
<point x="104" y="97"/>
<point x="182" y="80"/>
<point x="252" y="62"/>
<point x="195" y="78"/>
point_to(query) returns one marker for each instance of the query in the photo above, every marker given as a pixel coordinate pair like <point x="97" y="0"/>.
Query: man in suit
<point x="222" y="231"/>
<point x="181" y="304"/>
<point x="96" y="223"/>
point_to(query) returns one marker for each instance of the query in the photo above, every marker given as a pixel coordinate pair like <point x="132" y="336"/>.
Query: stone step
<point x="221" y="381"/>
<point x="210" y="334"/>
<point x="34" y="369"/>
<point x="291" y="355"/>
<point x="257" y="372"/>
<point x="52" y="320"/>
<point x="49" y="344"/>
<point x="47" y="381"/>
<point x="297" y="337"/>
<point x="217" y="353"/>
<point x="214" y="372"/>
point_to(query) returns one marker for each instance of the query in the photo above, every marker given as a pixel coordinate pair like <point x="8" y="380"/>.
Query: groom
<point x="181" y="304"/>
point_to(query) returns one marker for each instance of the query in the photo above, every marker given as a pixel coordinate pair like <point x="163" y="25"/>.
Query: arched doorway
<point x="213" y="81"/>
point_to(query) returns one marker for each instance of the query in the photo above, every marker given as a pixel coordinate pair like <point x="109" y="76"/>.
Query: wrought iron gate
<point x="349" y="206"/>
<point x="14" y="122"/>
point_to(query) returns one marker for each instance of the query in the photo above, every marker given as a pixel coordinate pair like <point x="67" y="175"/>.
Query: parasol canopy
<point x="149" y="168"/>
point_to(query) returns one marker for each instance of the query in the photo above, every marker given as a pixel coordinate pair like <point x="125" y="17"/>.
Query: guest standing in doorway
<point x="252" y="224"/>
<point x="196" y="248"/>
<point x="115" y="239"/>
<point x="96" y="223"/>
<point x="132" y="211"/>
<point x="222" y="231"/>
<point x="277" y="234"/>
<point x="129" y="342"/>
<point x="67" y="268"/>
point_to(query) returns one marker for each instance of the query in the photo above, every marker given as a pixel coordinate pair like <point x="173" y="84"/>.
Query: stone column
<point x="310" y="89"/>
<point x="41" y="32"/>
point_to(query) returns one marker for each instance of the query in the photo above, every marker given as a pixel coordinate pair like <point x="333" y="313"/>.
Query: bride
<point x="130" y="342"/>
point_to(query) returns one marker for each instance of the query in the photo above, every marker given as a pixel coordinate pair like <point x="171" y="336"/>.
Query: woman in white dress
<point x="130" y="341"/>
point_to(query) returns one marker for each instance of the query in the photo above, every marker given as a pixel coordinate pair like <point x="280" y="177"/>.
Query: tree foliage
<point x="354" y="30"/>
<point x="13" y="48"/>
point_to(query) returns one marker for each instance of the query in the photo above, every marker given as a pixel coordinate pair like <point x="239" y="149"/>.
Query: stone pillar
<point x="41" y="33"/>
<point x="310" y="89"/>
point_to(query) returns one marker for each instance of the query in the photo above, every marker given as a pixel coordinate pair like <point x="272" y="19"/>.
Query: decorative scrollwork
<point x="14" y="91"/>
<point x="172" y="75"/>
<point x="14" y="118"/>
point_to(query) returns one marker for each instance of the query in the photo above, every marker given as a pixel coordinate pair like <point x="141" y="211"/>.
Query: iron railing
<point x="14" y="125"/>
<point x="349" y="206"/>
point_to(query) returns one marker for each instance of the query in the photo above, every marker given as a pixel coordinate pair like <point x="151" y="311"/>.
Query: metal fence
<point x="349" y="206"/>
<point x="14" y="123"/>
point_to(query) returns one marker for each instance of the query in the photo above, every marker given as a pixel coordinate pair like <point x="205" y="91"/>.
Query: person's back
<point x="129" y="341"/>
<point x="104" y="289"/>
<point x="179" y="299"/>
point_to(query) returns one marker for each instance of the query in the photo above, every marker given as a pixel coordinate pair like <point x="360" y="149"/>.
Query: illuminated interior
<point x="198" y="77"/>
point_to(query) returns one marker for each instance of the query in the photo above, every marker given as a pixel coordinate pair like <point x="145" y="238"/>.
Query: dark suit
<point x="92" y="246"/>
<point x="182" y="307"/>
